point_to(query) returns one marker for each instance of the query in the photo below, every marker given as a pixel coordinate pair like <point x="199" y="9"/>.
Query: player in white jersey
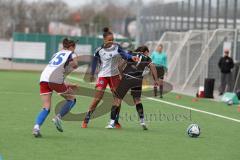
<point x="52" y="79"/>
<point x="108" y="56"/>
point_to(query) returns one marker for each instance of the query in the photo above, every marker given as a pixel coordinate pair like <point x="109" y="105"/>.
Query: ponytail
<point x="106" y="32"/>
<point x="68" y="43"/>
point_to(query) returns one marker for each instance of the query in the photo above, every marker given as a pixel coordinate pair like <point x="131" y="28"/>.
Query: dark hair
<point x="106" y="32"/>
<point x="68" y="43"/>
<point x="142" y="49"/>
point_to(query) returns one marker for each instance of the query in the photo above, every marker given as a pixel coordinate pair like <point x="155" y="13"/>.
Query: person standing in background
<point x="225" y="64"/>
<point x="159" y="59"/>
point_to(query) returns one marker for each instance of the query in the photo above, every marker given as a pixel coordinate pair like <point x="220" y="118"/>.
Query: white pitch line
<point x="180" y="106"/>
<point x="194" y="109"/>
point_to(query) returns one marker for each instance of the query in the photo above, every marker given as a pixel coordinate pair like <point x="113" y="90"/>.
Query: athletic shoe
<point x="57" y="122"/>
<point x="118" y="125"/>
<point x="109" y="126"/>
<point x="84" y="124"/>
<point x="36" y="133"/>
<point x="144" y="126"/>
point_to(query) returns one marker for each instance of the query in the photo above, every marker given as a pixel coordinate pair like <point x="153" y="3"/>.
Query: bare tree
<point x="17" y="15"/>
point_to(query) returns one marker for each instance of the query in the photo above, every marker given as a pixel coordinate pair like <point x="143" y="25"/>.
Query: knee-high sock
<point x="88" y="116"/>
<point x="69" y="104"/>
<point x="139" y="108"/>
<point x="118" y="113"/>
<point x="155" y="91"/>
<point x="92" y="108"/>
<point x="42" y="116"/>
<point x="114" y="112"/>
<point x="161" y="90"/>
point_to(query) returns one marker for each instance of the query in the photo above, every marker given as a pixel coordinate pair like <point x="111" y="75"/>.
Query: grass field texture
<point x="166" y="138"/>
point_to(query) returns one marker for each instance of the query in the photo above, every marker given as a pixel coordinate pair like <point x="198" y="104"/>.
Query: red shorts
<point x="113" y="82"/>
<point x="47" y="88"/>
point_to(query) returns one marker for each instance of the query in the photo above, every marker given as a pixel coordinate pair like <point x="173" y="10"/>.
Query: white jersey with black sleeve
<point x="109" y="58"/>
<point x="55" y="70"/>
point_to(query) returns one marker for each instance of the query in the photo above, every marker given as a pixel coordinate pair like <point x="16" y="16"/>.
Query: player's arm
<point x="95" y="61"/>
<point x="71" y="64"/>
<point x="74" y="61"/>
<point x="126" y="55"/>
<point x="121" y="66"/>
<point x="154" y="73"/>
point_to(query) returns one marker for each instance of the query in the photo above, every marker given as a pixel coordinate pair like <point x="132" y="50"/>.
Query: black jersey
<point x="136" y="69"/>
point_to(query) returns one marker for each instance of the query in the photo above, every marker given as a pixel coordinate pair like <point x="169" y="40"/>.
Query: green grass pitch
<point x="165" y="139"/>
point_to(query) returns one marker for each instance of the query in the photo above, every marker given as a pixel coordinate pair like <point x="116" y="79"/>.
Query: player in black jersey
<point x="132" y="77"/>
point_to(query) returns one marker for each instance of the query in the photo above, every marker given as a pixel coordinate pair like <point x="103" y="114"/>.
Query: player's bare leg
<point x="98" y="96"/>
<point x="46" y="103"/>
<point x="69" y="104"/>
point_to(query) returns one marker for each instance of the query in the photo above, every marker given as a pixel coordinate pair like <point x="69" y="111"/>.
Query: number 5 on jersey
<point x="57" y="59"/>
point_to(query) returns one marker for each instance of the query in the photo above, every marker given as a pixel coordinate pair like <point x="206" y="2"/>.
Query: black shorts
<point x="128" y="83"/>
<point x="160" y="72"/>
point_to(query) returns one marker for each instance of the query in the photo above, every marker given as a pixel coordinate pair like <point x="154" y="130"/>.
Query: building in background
<point x="58" y="28"/>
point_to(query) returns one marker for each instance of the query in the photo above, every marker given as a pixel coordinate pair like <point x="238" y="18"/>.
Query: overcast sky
<point x="76" y="3"/>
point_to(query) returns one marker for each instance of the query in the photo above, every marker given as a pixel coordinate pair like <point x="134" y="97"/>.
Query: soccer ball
<point x="193" y="130"/>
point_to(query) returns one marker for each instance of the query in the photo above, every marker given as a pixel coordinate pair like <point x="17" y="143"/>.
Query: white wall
<point x="81" y="49"/>
<point x="23" y="50"/>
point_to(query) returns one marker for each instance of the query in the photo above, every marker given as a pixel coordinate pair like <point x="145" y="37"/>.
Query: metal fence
<point x="186" y="15"/>
<point x="194" y="55"/>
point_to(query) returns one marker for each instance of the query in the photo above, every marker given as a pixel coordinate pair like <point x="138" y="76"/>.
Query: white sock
<point x="112" y="122"/>
<point x="58" y="116"/>
<point x="36" y="126"/>
<point x="142" y="120"/>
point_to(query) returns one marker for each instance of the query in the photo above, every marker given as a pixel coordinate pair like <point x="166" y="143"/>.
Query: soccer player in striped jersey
<point x="107" y="56"/>
<point x="132" y="77"/>
<point x="52" y="79"/>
